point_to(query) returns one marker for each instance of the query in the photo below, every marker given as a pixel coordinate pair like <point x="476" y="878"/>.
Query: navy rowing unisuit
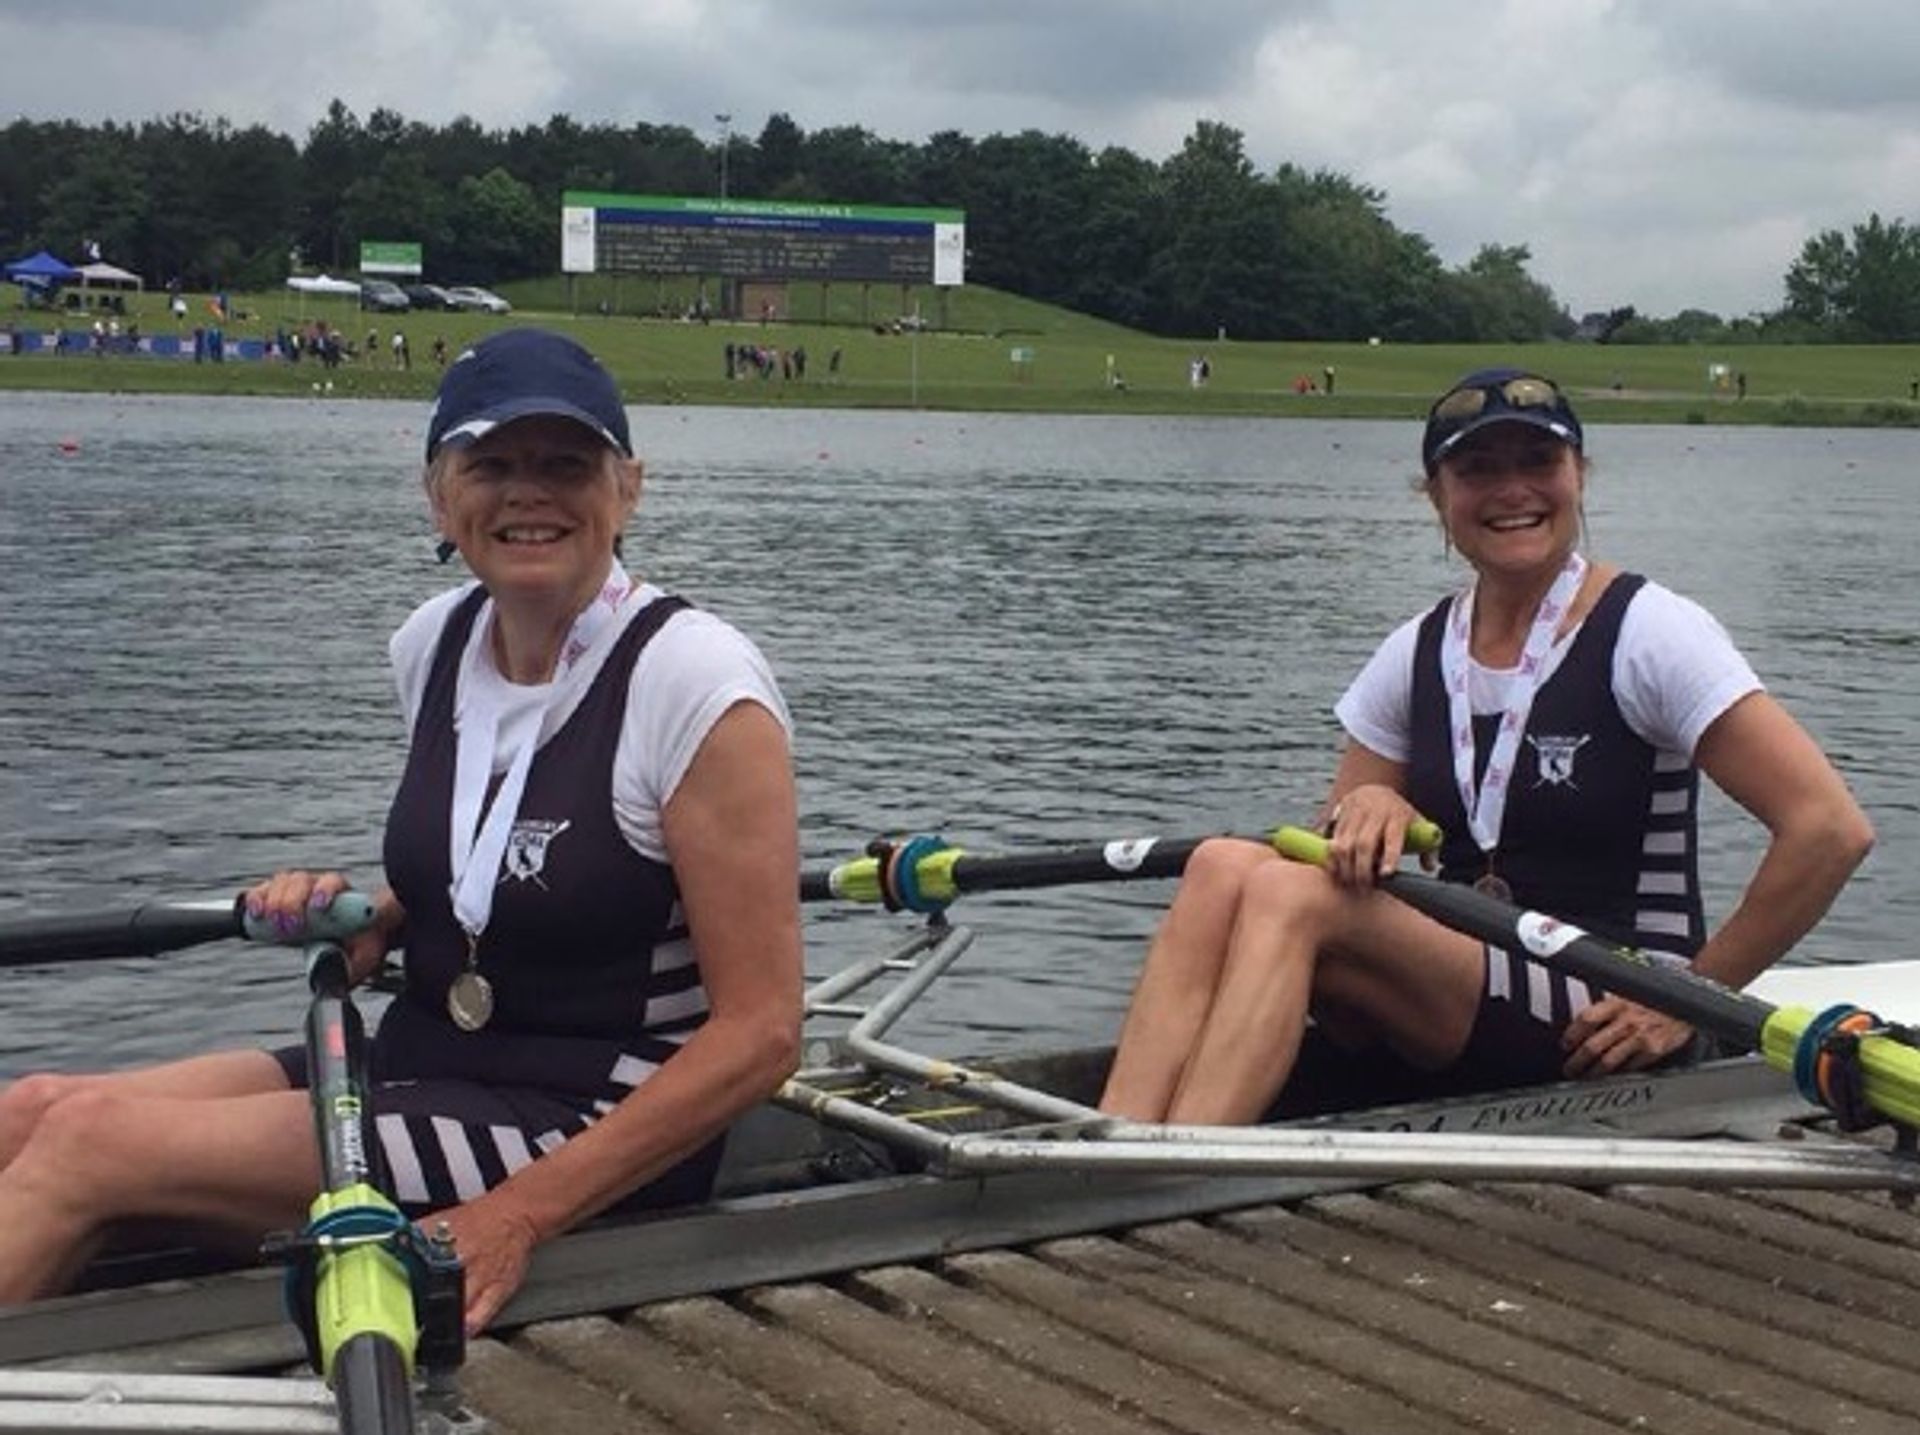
<point x="594" y="980"/>
<point x="1600" y="829"/>
<point x="1599" y="826"/>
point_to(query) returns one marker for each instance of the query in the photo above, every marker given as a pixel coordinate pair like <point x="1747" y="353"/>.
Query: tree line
<point x="1189" y="246"/>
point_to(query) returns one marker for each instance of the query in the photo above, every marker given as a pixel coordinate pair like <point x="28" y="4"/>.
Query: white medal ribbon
<point x="476" y="848"/>
<point x="1487" y="807"/>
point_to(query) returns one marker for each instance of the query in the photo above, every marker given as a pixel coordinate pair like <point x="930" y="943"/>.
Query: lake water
<point x="1010" y="630"/>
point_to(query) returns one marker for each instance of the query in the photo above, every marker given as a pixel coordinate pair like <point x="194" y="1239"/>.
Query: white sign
<point x="949" y="254"/>
<point x="576" y="241"/>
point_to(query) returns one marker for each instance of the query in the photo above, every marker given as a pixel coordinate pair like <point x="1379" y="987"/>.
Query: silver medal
<point x="470" y="1001"/>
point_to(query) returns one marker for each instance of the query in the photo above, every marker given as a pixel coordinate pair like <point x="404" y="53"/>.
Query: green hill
<point x="988" y="350"/>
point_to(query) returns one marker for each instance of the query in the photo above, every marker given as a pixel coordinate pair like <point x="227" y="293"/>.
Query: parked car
<point x="428" y="296"/>
<point x="384" y="295"/>
<point x="468" y="296"/>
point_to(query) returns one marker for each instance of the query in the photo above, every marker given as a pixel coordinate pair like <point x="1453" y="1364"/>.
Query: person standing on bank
<point x="593" y="860"/>
<point x="1552" y="717"/>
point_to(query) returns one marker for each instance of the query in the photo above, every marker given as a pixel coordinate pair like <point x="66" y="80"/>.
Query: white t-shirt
<point x="691" y="672"/>
<point x="1674" y="671"/>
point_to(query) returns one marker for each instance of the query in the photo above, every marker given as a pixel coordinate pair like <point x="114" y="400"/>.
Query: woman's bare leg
<point x="107" y="1152"/>
<point x="1175" y="993"/>
<point x="1245" y="1051"/>
<point x="220" y="1073"/>
<point x="1300" y="938"/>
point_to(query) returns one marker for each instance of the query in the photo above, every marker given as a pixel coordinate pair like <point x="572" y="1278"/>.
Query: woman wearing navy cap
<point x="593" y="864"/>
<point x="1552" y="718"/>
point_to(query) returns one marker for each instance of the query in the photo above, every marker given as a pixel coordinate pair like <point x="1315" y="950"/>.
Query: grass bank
<point x="1000" y="352"/>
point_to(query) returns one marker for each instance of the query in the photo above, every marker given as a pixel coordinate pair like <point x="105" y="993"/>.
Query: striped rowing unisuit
<point x="594" y="979"/>
<point x="1600" y="828"/>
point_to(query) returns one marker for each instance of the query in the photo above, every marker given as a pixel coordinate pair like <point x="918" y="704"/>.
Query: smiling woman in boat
<point x="1552" y="717"/>
<point x="593" y="862"/>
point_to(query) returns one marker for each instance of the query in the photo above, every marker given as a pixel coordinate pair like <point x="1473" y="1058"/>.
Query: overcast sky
<point x="1661" y="153"/>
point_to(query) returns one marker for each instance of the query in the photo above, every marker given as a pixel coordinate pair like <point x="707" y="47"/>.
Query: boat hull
<point x="801" y="1200"/>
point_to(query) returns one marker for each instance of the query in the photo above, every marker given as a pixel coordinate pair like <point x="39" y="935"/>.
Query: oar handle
<point x="1299" y="844"/>
<point x="347" y="915"/>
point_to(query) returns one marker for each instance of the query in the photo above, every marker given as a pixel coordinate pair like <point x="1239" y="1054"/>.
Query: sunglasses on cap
<point x="1529" y="391"/>
<point x="1497" y="397"/>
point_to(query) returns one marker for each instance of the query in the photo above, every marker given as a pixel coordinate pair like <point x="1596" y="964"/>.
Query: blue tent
<point x="40" y="276"/>
<point x="43" y="267"/>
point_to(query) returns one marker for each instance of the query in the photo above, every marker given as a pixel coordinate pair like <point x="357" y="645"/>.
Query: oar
<point x="927" y="869"/>
<point x="1789" y="1037"/>
<point x="157" y="927"/>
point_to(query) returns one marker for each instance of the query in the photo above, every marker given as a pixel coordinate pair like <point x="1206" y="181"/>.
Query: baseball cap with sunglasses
<point x="1494" y="396"/>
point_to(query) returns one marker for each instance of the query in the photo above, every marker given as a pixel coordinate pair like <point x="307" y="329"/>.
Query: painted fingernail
<point x="283" y="924"/>
<point x="320" y="900"/>
<point x="255" y="907"/>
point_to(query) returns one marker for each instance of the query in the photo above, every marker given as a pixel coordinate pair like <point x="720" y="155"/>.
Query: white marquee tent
<point x="99" y="275"/>
<point x="321" y="284"/>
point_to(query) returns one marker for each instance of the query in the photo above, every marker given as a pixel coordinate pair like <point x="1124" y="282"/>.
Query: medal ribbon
<point x="1487" y="807"/>
<point x="476" y="848"/>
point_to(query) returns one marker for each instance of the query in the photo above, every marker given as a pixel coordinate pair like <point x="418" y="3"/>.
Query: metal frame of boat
<point x="877" y="1154"/>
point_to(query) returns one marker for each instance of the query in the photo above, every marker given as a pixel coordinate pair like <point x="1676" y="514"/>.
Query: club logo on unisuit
<point x="1555" y="757"/>
<point x="526" y="856"/>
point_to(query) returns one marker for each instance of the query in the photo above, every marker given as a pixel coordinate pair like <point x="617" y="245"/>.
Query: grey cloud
<point x="1860" y="56"/>
<point x="182" y="17"/>
<point x="904" y="70"/>
<point x="1122" y="52"/>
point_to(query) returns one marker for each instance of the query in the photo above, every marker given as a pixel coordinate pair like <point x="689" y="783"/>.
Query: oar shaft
<point x="1679" y="991"/>
<point x="156" y="927"/>
<point x="953" y="871"/>
<point x="364" y="1317"/>
<point x="1700" y="1001"/>
<point x="950" y="871"/>
<point x="1136" y="860"/>
<point x="86" y="936"/>
<point x="1890" y="1068"/>
<point x="1110" y="862"/>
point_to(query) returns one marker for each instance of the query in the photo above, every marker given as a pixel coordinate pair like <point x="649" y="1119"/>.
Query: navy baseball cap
<point x="517" y="373"/>
<point x="1496" y="396"/>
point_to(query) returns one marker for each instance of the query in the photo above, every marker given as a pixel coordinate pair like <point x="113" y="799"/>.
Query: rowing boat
<point x="876" y="1155"/>
<point x="883" y="1168"/>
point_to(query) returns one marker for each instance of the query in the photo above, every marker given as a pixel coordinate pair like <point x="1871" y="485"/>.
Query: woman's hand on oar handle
<point x="1367" y="831"/>
<point x="297" y="906"/>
